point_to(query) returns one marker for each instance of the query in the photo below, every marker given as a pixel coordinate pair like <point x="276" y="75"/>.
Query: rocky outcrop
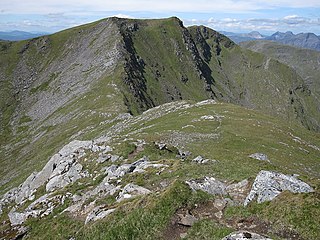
<point x="64" y="168"/>
<point x="266" y="187"/>
<point x="43" y="206"/>
<point x="237" y="191"/>
<point x="269" y="185"/>
<point x="138" y="166"/>
<point x="61" y="169"/>
<point x="67" y="171"/>
<point x="102" y="190"/>
<point x="245" y="235"/>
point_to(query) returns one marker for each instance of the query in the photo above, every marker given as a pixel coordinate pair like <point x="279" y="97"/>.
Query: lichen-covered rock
<point x="245" y="235"/>
<point x="70" y="173"/>
<point x="138" y="166"/>
<point x="73" y="146"/>
<point x="103" y="158"/>
<point x="119" y="171"/>
<point x="98" y="213"/>
<point x="142" y="164"/>
<point x="114" y="158"/>
<point x="259" y="156"/>
<point x="209" y="185"/>
<point x="16" y="218"/>
<point x="131" y="190"/>
<point x="200" y="159"/>
<point x="103" y="189"/>
<point x="269" y="185"/>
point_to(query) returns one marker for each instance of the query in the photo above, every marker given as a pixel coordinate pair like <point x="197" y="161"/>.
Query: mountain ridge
<point x="303" y="40"/>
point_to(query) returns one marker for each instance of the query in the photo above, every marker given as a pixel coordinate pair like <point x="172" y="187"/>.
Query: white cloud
<point x="53" y="6"/>
<point x="293" y="23"/>
<point x="120" y="15"/>
<point x="291" y="17"/>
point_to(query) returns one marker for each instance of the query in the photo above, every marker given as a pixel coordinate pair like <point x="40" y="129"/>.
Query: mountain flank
<point x="304" y="61"/>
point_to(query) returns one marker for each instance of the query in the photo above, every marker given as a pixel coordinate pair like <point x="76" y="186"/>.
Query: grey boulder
<point x="245" y="235"/>
<point x="187" y="219"/>
<point x="269" y="185"/>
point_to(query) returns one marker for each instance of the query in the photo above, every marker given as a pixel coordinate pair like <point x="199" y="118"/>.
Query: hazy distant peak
<point x="255" y="34"/>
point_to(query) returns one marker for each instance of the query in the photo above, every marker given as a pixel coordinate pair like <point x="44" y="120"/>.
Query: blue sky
<point x="229" y="15"/>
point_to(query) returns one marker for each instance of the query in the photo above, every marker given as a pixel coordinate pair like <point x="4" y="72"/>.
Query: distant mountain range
<point x="243" y="37"/>
<point x="19" y="35"/>
<point x="302" y="40"/>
